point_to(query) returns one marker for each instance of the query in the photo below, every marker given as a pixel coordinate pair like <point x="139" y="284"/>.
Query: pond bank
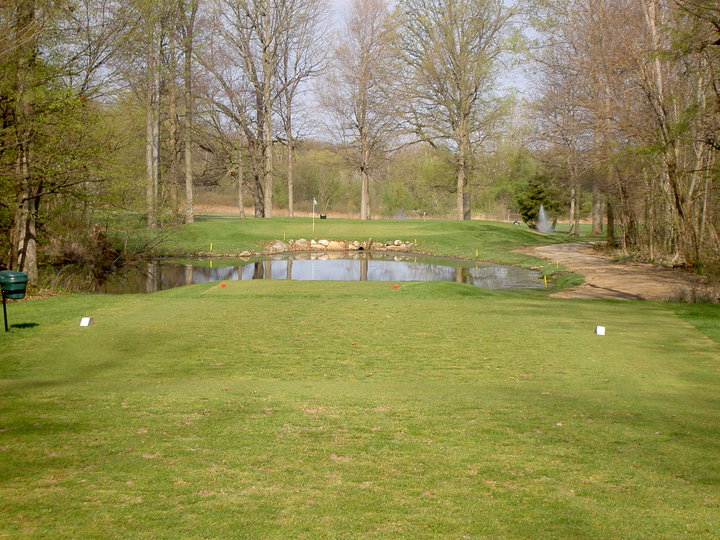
<point x="323" y="244"/>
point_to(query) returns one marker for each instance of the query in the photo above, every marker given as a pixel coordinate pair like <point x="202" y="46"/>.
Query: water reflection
<point x="161" y="275"/>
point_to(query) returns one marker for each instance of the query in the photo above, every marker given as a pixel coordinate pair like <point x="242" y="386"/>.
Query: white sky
<point x="513" y="78"/>
<point x="339" y="7"/>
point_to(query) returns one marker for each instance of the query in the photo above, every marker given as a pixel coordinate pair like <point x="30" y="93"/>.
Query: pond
<point x="354" y="266"/>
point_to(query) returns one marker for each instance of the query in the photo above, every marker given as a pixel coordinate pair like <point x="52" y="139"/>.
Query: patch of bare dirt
<point x="606" y="278"/>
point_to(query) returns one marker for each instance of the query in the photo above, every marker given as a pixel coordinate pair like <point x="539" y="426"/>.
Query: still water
<point x="161" y="275"/>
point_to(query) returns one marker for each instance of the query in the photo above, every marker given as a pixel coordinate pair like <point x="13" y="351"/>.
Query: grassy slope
<point x="476" y="239"/>
<point x="314" y="410"/>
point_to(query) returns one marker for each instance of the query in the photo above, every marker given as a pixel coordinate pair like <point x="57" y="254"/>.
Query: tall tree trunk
<point x="290" y="143"/>
<point x="573" y="201"/>
<point x="258" y="198"/>
<point x="576" y="224"/>
<point x="268" y="71"/>
<point x="597" y="209"/>
<point x="152" y="130"/>
<point x="173" y="181"/>
<point x="241" y="182"/>
<point x="268" y="167"/>
<point x="460" y="192"/>
<point x="364" y="194"/>
<point x="463" y="198"/>
<point x="257" y="172"/>
<point x="28" y="195"/>
<point x="706" y="197"/>
<point x="25" y="233"/>
<point x="290" y="164"/>
<point x="189" y="203"/>
<point x="610" y="209"/>
<point x="364" y="177"/>
<point x="188" y="45"/>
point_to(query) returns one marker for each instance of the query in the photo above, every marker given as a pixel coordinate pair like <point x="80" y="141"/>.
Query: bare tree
<point x="188" y="16"/>
<point x="152" y="118"/>
<point x="451" y="49"/>
<point x="358" y="89"/>
<point x="259" y="35"/>
<point x="647" y="92"/>
<point x="561" y="125"/>
<point x="231" y="93"/>
<point x="147" y="55"/>
<point x="252" y="30"/>
<point x="302" y="58"/>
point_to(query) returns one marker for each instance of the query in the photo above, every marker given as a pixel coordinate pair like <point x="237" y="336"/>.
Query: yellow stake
<point x="210" y="246"/>
<point x="545" y="279"/>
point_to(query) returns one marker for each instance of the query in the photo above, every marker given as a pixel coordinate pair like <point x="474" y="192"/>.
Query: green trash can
<point x="13" y="284"/>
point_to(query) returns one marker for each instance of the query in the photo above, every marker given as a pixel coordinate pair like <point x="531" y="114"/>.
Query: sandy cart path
<point x="605" y="278"/>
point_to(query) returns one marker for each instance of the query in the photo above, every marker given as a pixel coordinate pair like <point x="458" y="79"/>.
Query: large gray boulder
<point x="335" y="245"/>
<point x="278" y="246"/>
<point x="301" y="244"/>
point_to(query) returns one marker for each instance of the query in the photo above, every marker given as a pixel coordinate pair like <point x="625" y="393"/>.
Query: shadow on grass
<point x="24" y="325"/>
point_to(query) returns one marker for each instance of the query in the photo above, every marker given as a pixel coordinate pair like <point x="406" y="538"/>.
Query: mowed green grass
<point x="273" y="409"/>
<point x="482" y="240"/>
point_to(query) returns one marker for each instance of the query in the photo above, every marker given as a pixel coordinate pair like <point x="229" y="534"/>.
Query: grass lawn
<point x="275" y="409"/>
<point x="482" y="240"/>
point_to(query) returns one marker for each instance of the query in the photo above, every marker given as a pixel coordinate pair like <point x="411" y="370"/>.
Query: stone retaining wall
<point x="319" y="246"/>
<point x="278" y="246"/>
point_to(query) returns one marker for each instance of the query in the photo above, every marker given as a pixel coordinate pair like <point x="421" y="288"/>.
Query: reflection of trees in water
<point x="409" y="271"/>
<point x="500" y="277"/>
<point x="155" y="276"/>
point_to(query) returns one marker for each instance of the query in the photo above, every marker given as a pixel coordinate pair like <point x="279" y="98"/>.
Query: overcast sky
<point x="339" y="7"/>
<point x="511" y="78"/>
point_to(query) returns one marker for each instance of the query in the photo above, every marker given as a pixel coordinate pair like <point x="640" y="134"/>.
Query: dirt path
<point x="605" y="278"/>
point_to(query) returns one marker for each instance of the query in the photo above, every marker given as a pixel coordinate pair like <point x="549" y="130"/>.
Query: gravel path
<point x="605" y="278"/>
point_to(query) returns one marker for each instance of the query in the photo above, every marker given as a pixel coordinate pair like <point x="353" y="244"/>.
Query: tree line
<point x="628" y="107"/>
<point x="128" y="109"/>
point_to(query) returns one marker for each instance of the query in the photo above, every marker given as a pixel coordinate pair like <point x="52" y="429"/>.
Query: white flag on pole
<point x="314" y="201"/>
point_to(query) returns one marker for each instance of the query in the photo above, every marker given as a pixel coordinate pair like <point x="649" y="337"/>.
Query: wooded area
<point x="119" y="111"/>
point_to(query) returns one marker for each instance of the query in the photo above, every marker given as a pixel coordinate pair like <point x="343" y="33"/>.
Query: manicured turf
<point x="483" y="240"/>
<point x="275" y="409"/>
